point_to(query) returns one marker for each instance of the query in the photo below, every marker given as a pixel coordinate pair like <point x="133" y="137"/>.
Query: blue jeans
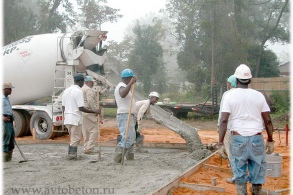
<point x="122" y="123"/>
<point x="248" y="152"/>
<point x="8" y="137"/>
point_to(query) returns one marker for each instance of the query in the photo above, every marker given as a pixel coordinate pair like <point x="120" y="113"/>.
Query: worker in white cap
<point x="7" y="128"/>
<point x="90" y="121"/>
<point x="73" y="106"/>
<point x="246" y="110"/>
<point x="123" y="99"/>
<point x="142" y="108"/>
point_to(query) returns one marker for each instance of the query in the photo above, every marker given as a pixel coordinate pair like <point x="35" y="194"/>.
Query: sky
<point x="131" y="10"/>
<point x="135" y="9"/>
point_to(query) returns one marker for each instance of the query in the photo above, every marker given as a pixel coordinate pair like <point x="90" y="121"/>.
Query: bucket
<point x="274" y="165"/>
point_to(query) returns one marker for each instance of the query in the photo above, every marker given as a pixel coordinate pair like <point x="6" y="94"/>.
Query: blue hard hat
<point x="232" y="80"/>
<point x="127" y="73"/>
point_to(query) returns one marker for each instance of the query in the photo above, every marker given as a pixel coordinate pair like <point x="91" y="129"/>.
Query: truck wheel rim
<point x="42" y="125"/>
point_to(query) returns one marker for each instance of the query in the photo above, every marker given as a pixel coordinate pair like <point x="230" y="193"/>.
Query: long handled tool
<point x="99" y="129"/>
<point x="127" y="125"/>
<point x="99" y="132"/>
<point x="24" y="158"/>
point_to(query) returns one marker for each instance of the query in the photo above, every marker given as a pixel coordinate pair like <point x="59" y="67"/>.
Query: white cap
<point x="243" y="72"/>
<point x="154" y="94"/>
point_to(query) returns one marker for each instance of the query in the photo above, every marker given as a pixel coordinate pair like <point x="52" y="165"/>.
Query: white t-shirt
<point x="245" y="107"/>
<point x="123" y="104"/>
<point x="72" y="99"/>
<point x="142" y="108"/>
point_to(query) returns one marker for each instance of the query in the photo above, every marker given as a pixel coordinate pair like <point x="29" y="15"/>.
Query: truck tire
<point x="27" y="118"/>
<point x="43" y="124"/>
<point x="19" y="123"/>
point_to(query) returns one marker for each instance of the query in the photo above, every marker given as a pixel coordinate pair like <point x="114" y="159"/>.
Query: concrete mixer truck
<point x="43" y="66"/>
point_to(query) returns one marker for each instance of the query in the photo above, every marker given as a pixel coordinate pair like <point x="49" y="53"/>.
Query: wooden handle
<point x="127" y="125"/>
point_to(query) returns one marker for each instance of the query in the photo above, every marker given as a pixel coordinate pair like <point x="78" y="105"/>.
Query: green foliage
<point x="50" y="16"/>
<point x="95" y="14"/>
<point x="268" y="63"/>
<point x="223" y="33"/>
<point x="19" y="21"/>
<point x="281" y="101"/>
<point x="146" y="57"/>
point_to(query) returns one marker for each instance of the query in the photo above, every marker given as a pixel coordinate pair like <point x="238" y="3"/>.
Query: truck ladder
<point x="63" y="78"/>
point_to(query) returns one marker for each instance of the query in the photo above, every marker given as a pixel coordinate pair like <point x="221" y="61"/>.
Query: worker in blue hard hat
<point x="231" y="84"/>
<point x="123" y="98"/>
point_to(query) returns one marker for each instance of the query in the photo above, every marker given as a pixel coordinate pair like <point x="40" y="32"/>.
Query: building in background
<point x="284" y="69"/>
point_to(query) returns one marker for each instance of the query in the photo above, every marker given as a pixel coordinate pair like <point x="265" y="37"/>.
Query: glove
<point x="222" y="151"/>
<point x="158" y="121"/>
<point x="138" y="128"/>
<point x="270" y="147"/>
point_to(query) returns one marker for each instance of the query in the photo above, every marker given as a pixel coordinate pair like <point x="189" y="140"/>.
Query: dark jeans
<point x="8" y="137"/>
<point x="136" y="133"/>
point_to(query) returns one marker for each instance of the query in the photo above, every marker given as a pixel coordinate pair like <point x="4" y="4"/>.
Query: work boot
<point x="139" y="145"/>
<point x="72" y="152"/>
<point x="118" y="155"/>
<point x="241" y="189"/>
<point x="229" y="180"/>
<point x="130" y="153"/>
<point x="119" y="137"/>
<point x="5" y="156"/>
<point x="10" y="155"/>
<point x="256" y="189"/>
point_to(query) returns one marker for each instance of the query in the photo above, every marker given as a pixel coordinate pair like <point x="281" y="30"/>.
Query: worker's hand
<point x="6" y="118"/>
<point x="138" y="128"/>
<point x="158" y="121"/>
<point x="133" y="80"/>
<point x="222" y="150"/>
<point x="270" y="147"/>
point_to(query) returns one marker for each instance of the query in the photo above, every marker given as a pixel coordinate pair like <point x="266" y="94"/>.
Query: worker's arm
<point x="223" y="126"/>
<point x="268" y="125"/>
<point x="123" y="91"/>
<point x="269" y="128"/>
<point x="83" y="109"/>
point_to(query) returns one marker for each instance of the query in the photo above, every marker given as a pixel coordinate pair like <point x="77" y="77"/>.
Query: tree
<point x="268" y="62"/>
<point x="95" y="14"/>
<point x="51" y="16"/>
<point x="218" y="35"/>
<point x="19" y="21"/>
<point x="146" y="56"/>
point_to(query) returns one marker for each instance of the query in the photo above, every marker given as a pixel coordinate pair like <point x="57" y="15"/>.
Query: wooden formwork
<point x="167" y="189"/>
<point x="270" y="84"/>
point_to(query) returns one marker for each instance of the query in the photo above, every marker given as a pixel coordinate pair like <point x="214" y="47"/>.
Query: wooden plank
<point x="201" y="187"/>
<point x="217" y="168"/>
<point x="174" y="183"/>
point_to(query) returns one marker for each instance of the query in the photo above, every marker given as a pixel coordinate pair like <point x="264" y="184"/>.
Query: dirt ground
<point x="50" y="172"/>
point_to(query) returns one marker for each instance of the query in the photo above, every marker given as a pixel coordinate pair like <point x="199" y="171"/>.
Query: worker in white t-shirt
<point x="142" y="108"/>
<point x="123" y="98"/>
<point x="246" y="110"/>
<point x="73" y="106"/>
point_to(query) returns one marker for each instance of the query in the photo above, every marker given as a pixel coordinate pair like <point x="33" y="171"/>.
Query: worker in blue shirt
<point x="8" y="130"/>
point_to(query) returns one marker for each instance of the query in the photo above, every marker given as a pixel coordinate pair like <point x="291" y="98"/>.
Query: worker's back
<point x="245" y="107"/>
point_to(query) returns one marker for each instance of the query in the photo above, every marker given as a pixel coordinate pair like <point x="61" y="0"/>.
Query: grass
<point x="110" y="112"/>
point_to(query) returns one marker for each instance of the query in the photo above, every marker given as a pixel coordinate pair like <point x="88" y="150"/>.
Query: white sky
<point x="131" y="11"/>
